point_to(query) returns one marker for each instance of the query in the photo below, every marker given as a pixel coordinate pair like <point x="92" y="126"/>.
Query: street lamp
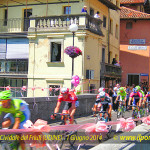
<point x="73" y="28"/>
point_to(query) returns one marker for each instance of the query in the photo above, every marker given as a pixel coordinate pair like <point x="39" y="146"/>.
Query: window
<point x="5" y="17"/>
<point x="89" y="74"/>
<point x="92" y="88"/>
<point x="111" y="26"/>
<point x="27" y="14"/>
<point x="103" y="54"/>
<point x="116" y="31"/>
<point x="55" y="51"/>
<point x="67" y="10"/>
<point x="55" y="90"/>
<point x="129" y="25"/>
<point x="92" y="12"/>
<point x="16" y="84"/>
<point x="104" y="21"/>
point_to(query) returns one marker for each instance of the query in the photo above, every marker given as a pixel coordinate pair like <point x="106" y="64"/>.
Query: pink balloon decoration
<point x="75" y="80"/>
<point x="146" y="120"/>
<point x="126" y="124"/>
<point x="33" y="89"/>
<point x="24" y="88"/>
<point x="8" y="88"/>
<point x="50" y="89"/>
<point x="42" y="89"/>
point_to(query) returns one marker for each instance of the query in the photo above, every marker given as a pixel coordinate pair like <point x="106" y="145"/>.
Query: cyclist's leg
<point x="95" y="108"/>
<point x="71" y="111"/>
<point x="65" y="111"/>
<point x="8" y="120"/>
<point x="109" y="111"/>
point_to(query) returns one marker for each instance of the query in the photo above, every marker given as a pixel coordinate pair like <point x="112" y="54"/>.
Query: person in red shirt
<point x="70" y="106"/>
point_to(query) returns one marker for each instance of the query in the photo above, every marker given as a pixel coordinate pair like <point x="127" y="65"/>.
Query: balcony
<point x="14" y="25"/>
<point x="109" y="70"/>
<point x="51" y="23"/>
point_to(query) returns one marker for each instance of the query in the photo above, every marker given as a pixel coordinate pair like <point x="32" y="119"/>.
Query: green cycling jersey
<point x="122" y="95"/>
<point x="17" y="109"/>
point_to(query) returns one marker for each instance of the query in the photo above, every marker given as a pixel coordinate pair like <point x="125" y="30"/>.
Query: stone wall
<point x="43" y="107"/>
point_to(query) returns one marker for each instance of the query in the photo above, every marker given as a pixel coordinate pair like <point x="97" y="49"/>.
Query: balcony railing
<point x="14" y="25"/>
<point x="62" y="22"/>
<point x="110" y="70"/>
<point x="49" y="23"/>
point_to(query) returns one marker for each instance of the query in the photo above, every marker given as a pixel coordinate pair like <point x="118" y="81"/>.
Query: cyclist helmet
<point x="101" y="89"/>
<point x="5" y="95"/>
<point x="138" y="88"/>
<point x="134" y="90"/>
<point x="117" y="85"/>
<point x="102" y="94"/>
<point x="121" y="89"/>
<point x="64" y="90"/>
<point x="148" y="93"/>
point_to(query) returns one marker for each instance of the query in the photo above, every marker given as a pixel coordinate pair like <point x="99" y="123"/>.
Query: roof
<point x="127" y="13"/>
<point x="132" y="1"/>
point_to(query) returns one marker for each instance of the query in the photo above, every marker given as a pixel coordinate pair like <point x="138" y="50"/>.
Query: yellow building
<point x="43" y="28"/>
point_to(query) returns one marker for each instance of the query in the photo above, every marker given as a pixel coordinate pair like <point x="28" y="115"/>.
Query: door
<point x="133" y="79"/>
<point x="27" y="14"/>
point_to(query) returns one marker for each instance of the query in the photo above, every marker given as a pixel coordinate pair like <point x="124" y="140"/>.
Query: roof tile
<point x="127" y="13"/>
<point x="131" y="1"/>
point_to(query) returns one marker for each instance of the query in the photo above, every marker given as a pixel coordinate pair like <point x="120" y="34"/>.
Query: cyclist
<point x="146" y="98"/>
<point x="122" y="95"/>
<point x="139" y="90"/>
<point x="135" y="97"/>
<point x="70" y="106"/>
<point x="17" y="112"/>
<point x="102" y="89"/>
<point x="106" y="107"/>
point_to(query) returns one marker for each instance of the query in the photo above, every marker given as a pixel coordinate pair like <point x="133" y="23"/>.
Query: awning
<point x="17" y="48"/>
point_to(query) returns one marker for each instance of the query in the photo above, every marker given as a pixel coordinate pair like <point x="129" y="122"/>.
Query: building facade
<point x="44" y="27"/>
<point x="134" y="47"/>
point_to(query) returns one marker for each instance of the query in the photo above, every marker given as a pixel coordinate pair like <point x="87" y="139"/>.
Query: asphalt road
<point x="90" y="144"/>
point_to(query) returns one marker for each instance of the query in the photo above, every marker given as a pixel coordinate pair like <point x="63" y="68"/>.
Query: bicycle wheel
<point x="72" y="136"/>
<point x="118" y="112"/>
<point x="122" y="111"/>
<point x="147" y="111"/>
<point x="10" y="145"/>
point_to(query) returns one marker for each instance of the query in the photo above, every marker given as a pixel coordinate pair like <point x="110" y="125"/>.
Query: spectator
<point x="84" y="9"/>
<point x="128" y="91"/>
<point x="114" y="98"/>
<point x="110" y="92"/>
<point x="114" y="61"/>
<point x="97" y="15"/>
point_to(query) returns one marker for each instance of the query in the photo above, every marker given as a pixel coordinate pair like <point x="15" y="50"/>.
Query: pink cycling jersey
<point x="133" y="95"/>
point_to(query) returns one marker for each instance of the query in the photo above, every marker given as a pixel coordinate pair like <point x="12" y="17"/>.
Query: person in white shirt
<point x="97" y="15"/>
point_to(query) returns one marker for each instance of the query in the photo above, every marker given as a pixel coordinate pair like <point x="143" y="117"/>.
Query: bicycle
<point x="65" y="135"/>
<point x="147" y="108"/>
<point x="103" y="116"/>
<point x="121" y="109"/>
<point x="137" y="112"/>
<point x="9" y="144"/>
